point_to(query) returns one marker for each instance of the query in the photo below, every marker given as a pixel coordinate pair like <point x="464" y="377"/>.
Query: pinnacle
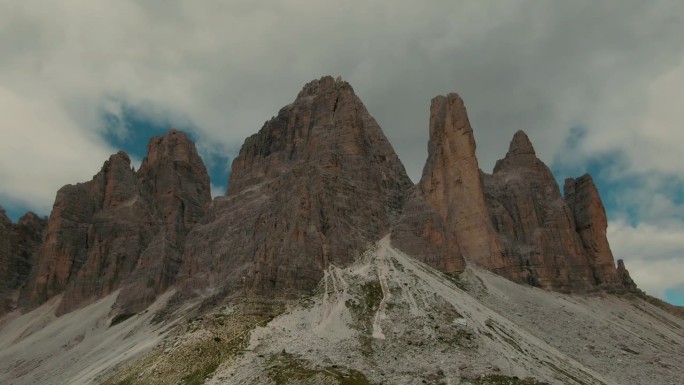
<point x="325" y="83"/>
<point x="520" y="144"/>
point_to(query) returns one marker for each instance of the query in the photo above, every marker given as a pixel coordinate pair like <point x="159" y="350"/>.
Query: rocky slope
<point x="123" y="227"/>
<point x="386" y="319"/>
<point x="18" y="244"/>
<point x="313" y="188"/>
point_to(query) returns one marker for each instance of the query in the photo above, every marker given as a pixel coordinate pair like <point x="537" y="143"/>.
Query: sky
<point x="598" y="87"/>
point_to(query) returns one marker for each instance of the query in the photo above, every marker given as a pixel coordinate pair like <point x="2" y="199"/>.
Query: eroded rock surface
<point x="314" y="187"/>
<point x="18" y="244"/>
<point x="452" y="185"/>
<point x="550" y="241"/>
<point x="122" y="227"/>
<point x="422" y="233"/>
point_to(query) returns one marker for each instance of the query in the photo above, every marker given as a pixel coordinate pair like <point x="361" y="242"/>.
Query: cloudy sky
<point x="598" y="86"/>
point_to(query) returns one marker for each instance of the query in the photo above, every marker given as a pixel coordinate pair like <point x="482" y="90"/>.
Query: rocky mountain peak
<point x="323" y="85"/>
<point x="315" y="186"/>
<point x="170" y="149"/>
<point x="520" y="145"/>
<point x="521" y="155"/>
<point x="123" y="228"/>
<point x="451" y="181"/>
<point x="31" y="219"/>
<point x="553" y="241"/>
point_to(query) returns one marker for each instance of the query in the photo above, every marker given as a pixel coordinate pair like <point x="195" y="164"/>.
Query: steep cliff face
<point x="18" y="244"/>
<point x="174" y="182"/>
<point x="452" y="186"/>
<point x="314" y="187"/>
<point x="422" y="233"/>
<point x="591" y="224"/>
<point x="550" y="241"/>
<point x="123" y="227"/>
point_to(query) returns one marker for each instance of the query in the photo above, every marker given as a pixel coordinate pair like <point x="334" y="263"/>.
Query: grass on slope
<point x="497" y="379"/>
<point x="194" y="355"/>
<point x="287" y="369"/>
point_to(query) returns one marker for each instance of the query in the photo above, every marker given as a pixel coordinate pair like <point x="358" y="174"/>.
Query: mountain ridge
<point x="318" y="198"/>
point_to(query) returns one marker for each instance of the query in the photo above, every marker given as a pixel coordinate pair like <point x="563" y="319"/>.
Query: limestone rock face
<point x="452" y="185"/>
<point x="18" y="244"/>
<point x="422" y="233"/>
<point x="315" y="186"/>
<point x="550" y="241"/>
<point x="123" y="228"/>
<point x="174" y="182"/>
<point x="591" y="224"/>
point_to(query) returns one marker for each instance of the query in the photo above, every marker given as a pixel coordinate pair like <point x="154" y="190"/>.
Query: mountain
<point x="18" y="243"/>
<point x="316" y="186"/>
<point x="552" y="241"/>
<point x="122" y="228"/>
<point x="324" y="264"/>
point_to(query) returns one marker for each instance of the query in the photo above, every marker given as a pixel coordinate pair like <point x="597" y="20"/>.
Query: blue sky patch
<point x="130" y="131"/>
<point x="675" y="295"/>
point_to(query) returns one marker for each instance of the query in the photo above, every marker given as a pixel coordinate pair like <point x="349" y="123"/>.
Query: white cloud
<point x="653" y="253"/>
<point x="42" y="148"/>
<point x="217" y="191"/>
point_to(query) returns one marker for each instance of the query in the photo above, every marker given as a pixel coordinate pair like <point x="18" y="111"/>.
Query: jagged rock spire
<point x="520" y="145"/>
<point x="451" y="181"/>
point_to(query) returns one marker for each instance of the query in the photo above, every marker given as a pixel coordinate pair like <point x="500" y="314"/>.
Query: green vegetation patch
<point x="363" y="310"/>
<point x="458" y="280"/>
<point x="199" y="376"/>
<point x="202" y="346"/>
<point x="288" y="369"/>
<point x="497" y="379"/>
<point x="369" y="297"/>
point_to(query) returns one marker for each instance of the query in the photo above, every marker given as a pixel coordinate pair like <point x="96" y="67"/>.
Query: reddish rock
<point x="591" y="224"/>
<point x="549" y="241"/>
<point x="314" y="187"/>
<point x="452" y="185"/>
<point x="123" y="227"/>
<point x="18" y="244"/>
<point x="422" y="233"/>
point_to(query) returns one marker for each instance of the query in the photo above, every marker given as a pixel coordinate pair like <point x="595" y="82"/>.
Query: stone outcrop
<point x="452" y="185"/>
<point x="591" y="223"/>
<point x="422" y="233"/>
<point x="314" y="187"/>
<point x="549" y="241"/>
<point x="18" y="244"/>
<point x="123" y="228"/>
